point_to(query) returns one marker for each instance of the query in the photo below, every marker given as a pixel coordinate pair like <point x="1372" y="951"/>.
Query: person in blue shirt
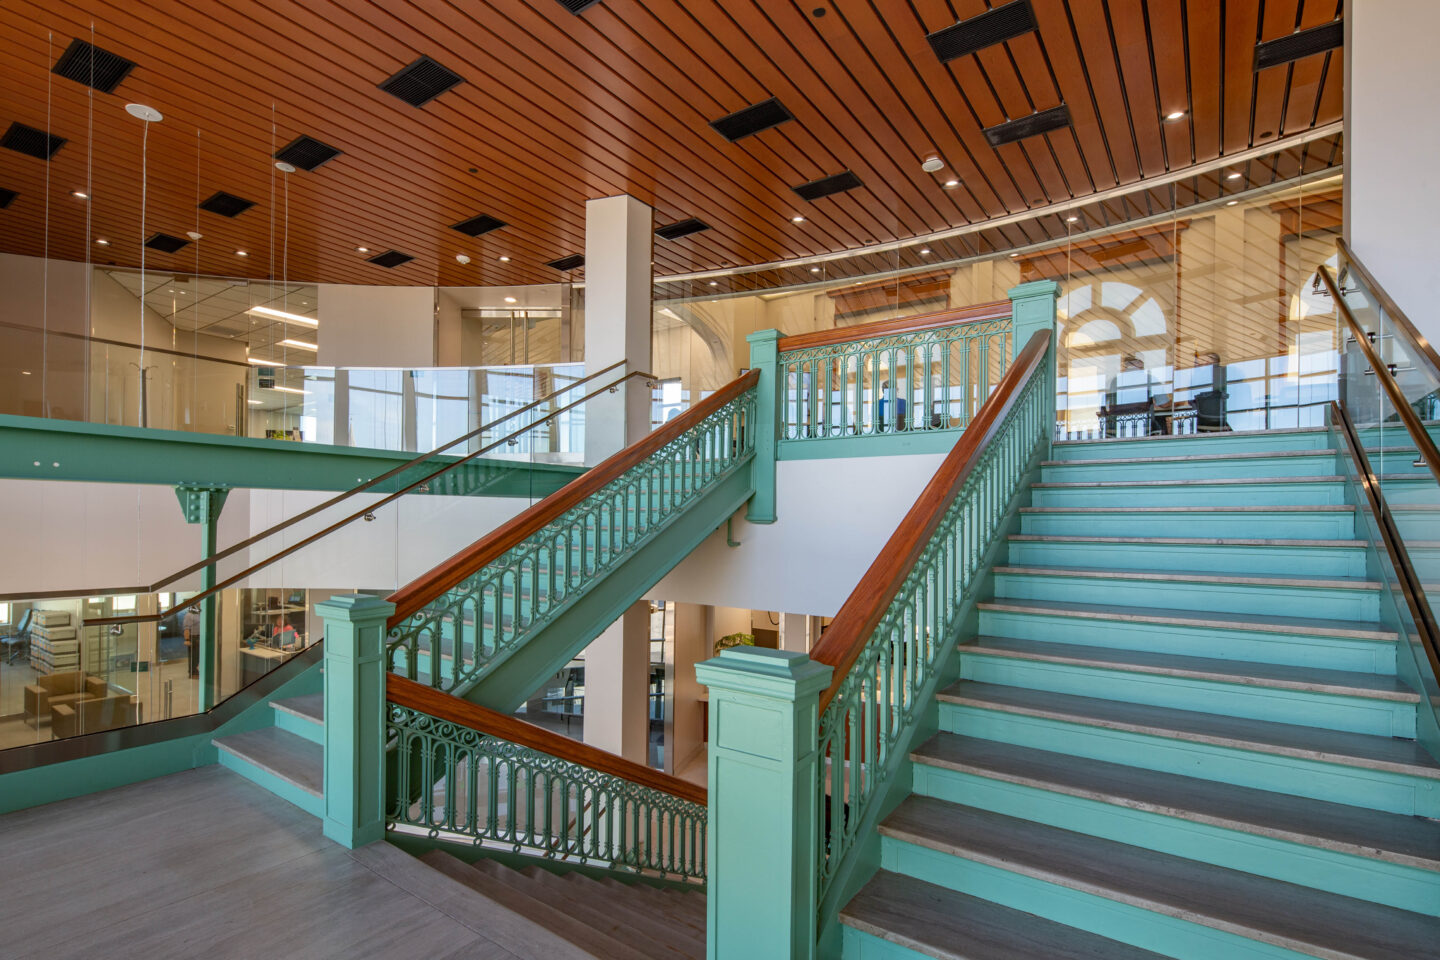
<point x="881" y="423"/>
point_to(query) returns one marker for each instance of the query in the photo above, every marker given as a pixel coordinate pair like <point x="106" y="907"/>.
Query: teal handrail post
<point x="763" y="825"/>
<point x="765" y="357"/>
<point x="354" y="717"/>
<point x="202" y="505"/>
<point x="1034" y="306"/>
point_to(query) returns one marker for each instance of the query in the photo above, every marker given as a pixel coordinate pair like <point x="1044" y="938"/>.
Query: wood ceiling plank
<point x="1308" y="73"/>
<point x="1272" y="83"/>
<point x="1031" y="63"/>
<point x="1093" y="37"/>
<point x="1242" y="30"/>
<point x="1132" y="51"/>
<point x="1104" y="168"/>
<point x="1167" y="34"/>
<point x="1202" y="24"/>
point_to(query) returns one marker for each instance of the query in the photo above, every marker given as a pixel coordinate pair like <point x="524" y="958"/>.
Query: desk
<point x="255" y="662"/>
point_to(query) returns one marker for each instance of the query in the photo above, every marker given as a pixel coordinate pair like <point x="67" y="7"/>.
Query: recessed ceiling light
<point x="924" y="250"/>
<point x="503" y="259"/>
<point x="1014" y="255"/>
<point x="299" y="344"/>
<point x="1176" y="115"/>
<point x="797" y="219"/>
<point x="282" y="315"/>
<point x="255" y="403"/>
<point x="1072" y="219"/>
<point x="509" y="299"/>
<point x="79" y="194"/>
<point x="24" y="373"/>
<point x="714" y="283"/>
<point x="263" y="363"/>
<point x="241" y="253"/>
<point x="1236" y="175"/>
<point x="951" y="184"/>
<point x="362" y="249"/>
<point x="1231" y="203"/>
<point x="103" y="243"/>
<point x="814" y="269"/>
<point x="290" y="390"/>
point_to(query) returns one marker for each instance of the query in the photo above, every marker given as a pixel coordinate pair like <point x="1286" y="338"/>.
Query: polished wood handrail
<point x="1390" y="307"/>
<point x="425" y="588"/>
<point x="443" y="706"/>
<point x="884" y="328"/>
<point x="844" y="640"/>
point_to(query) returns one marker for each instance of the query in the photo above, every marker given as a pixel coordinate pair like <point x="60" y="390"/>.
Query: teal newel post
<point x="354" y="717"/>
<point x="765" y="357"/>
<point x="763" y="825"/>
<point x="1034" y="307"/>
<point x="202" y="505"/>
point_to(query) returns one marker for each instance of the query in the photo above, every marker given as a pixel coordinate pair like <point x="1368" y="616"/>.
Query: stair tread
<point x="1264" y="508"/>
<point x="281" y="753"/>
<point x="943" y="923"/>
<point x="1186" y="541"/>
<point x="1305" y="626"/>
<point x="1412" y="841"/>
<point x="1185" y="482"/>
<point x="613" y="914"/>
<point x="1185" y="458"/>
<point x="310" y="706"/>
<point x="1194" y="576"/>
<point x="1315" y="679"/>
<point x="1271" y="911"/>
<point x="1335" y="746"/>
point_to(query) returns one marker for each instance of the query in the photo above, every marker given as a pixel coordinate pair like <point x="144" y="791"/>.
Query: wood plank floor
<point x="205" y="863"/>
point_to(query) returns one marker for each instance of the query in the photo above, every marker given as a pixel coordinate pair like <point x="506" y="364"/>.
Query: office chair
<point x="18" y="641"/>
<point x="1210" y="412"/>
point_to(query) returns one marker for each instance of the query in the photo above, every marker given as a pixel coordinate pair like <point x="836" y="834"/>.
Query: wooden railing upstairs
<point x="472" y="774"/>
<point x="451" y="623"/>
<point x="892" y="640"/>
<point x="921" y="373"/>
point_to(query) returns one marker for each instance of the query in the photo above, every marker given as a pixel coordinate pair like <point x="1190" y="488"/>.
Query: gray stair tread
<point x="1271" y="911"/>
<point x="1271" y="508"/>
<point x="1177" y="458"/>
<point x="660" y="899"/>
<point x="1185" y="482"/>
<point x="1314" y="679"/>
<point x="943" y="923"/>
<point x="293" y="759"/>
<point x="624" y="918"/>
<point x="489" y="878"/>
<point x="1187" y="541"/>
<point x="310" y="706"/>
<point x="1193" y="576"/>
<point x="1335" y="746"/>
<point x="1394" y="838"/>
<point x="1301" y="626"/>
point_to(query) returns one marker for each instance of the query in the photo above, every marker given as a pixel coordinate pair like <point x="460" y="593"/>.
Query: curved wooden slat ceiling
<point x="557" y="109"/>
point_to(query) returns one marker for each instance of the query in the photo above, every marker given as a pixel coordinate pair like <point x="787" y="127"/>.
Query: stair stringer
<point x="864" y="859"/>
<point x="511" y="679"/>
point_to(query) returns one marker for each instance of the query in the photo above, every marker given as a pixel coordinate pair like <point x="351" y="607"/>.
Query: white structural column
<point x="618" y="283"/>
<point x="1392" y="79"/>
<point x="795" y="632"/>
<point x="618" y="240"/>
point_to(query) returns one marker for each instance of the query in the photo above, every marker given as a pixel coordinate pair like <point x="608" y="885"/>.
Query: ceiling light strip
<point x="282" y="315"/>
<point x="1174" y="176"/>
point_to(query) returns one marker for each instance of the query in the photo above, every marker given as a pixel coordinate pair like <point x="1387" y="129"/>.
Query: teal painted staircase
<point x="1178" y="730"/>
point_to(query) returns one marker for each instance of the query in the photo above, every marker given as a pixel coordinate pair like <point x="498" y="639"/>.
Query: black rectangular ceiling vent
<point x="7" y="197"/>
<point x="825" y="186"/>
<point x="475" y="226"/>
<point x="421" y="82"/>
<point x="674" y="231"/>
<point x="166" y="243"/>
<point x="227" y="204"/>
<point x="576" y="6"/>
<point x="751" y="120"/>
<point x="573" y="262"/>
<point x="1327" y="36"/>
<point x="391" y="258"/>
<point x="31" y="142"/>
<point x="984" y="30"/>
<point x="86" y="63"/>
<point x="307" y="153"/>
<point x="1042" y="121"/>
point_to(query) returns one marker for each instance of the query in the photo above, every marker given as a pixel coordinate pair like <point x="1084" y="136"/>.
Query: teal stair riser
<point x="1329" y="711"/>
<point x="1329" y="653"/>
<point x="1393" y="791"/>
<point x="1347" y="874"/>
<point x="1281" y="601"/>
<point x="311" y="804"/>
<point x="1260" y="525"/>
<point x="1415" y="524"/>
<point x="858" y="945"/>
<point x="1212" y="445"/>
<point x="1137" y="926"/>
<point x="1421" y="490"/>
<point x="300" y="726"/>
<point x="1200" y="558"/>
<point x="1239" y="468"/>
<point x="1185" y="495"/>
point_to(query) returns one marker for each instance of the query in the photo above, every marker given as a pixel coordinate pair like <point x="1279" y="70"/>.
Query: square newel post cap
<point x="1035" y="288"/>
<point x="777" y="674"/>
<point x="763" y="336"/>
<point x="355" y="607"/>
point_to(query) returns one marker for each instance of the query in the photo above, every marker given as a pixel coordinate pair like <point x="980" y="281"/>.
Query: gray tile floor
<point x="204" y="864"/>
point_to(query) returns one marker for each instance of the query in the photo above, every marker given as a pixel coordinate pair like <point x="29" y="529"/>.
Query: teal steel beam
<point x="202" y="505"/>
<point x="765" y="357"/>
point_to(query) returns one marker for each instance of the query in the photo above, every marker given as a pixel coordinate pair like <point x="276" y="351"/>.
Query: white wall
<point x="834" y="516"/>
<point x="1392" y="139"/>
<point x="371" y="326"/>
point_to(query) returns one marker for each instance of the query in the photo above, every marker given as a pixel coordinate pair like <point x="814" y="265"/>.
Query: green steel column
<point x="764" y="811"/>
<point x="765" y="357"/>
<point x="202" y="505"/>
<point x="354" y="717"/>
<point x="1033" y="306"/>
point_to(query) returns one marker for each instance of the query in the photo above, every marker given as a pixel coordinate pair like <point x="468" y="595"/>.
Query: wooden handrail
<point x="420" y="591"/>
<point x="844" y="640"/>
<point x="884" y="328"/>
<point x="1390" y="307"/>
<point x="443" y="706"/>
